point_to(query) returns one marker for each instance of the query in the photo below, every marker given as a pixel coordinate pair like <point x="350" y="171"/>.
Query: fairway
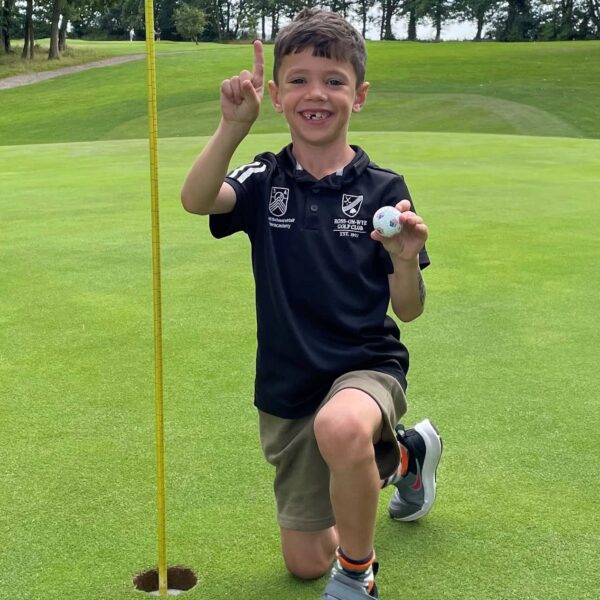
<point x="501" y="359"/>
<point x="525" y="89"/>
<point x="502" y="163"/>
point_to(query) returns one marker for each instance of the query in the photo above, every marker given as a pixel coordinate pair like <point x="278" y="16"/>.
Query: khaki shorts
<point x="301" y="475"/>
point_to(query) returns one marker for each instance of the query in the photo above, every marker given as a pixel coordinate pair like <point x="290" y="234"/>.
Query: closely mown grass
<point x="504" y="361"/>
<point x="79" y="52"/>
<point x="526" y="89"/>
<point x="504" y="358"/>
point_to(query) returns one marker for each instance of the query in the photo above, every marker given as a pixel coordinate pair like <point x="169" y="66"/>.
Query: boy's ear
<point x="361" y="96"/>
<point x="274" y="91"/>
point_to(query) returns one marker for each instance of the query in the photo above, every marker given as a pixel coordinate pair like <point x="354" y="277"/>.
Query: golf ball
<point x="386" y="221"/>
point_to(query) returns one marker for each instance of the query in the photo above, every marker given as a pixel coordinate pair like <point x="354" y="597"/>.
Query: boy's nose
<point x="316" y="92"/>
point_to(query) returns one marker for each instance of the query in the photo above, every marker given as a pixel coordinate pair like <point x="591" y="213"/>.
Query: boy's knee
<point x="307" y="567"/>
<point x="343" y="436"/>
<point x="308" y="555"/>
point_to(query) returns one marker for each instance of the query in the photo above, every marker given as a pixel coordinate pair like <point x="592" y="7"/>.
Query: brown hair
<point x="328" y="34"/>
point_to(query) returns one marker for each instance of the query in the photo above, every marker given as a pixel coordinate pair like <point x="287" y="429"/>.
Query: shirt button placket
<point x="312" y="210"/>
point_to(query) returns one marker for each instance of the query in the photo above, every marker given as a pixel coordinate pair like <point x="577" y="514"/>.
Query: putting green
<point x="394" y="111"/>
<point x="503" y="361"/>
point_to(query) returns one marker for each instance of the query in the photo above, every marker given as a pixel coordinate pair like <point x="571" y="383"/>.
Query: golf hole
<point x="179" y="580"/>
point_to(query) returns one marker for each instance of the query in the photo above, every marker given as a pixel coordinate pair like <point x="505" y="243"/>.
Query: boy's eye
<point x="297" y="80"/>
<point x="335" y="82"/>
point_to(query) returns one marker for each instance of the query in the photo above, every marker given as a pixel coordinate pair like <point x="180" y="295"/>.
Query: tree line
<point x="221" y="21"/>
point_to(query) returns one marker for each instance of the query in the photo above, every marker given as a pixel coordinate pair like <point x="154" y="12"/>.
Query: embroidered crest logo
<point x="278" y="201"/>
<point x="351" y="205"/>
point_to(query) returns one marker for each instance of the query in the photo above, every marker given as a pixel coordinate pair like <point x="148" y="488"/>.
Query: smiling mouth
<point x="312" y="115"/>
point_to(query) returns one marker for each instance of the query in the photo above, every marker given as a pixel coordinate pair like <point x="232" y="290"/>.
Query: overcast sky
<point x="451" y="31"/>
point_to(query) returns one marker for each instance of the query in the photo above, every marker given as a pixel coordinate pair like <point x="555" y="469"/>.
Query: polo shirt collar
<point x="336" y="180"/>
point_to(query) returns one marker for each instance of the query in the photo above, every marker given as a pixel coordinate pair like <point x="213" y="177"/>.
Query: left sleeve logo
<point x="278" y="202"/>
<point x="351" y="205"/>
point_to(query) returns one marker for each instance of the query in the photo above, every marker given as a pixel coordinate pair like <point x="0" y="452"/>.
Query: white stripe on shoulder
<point x="251" y="171"/>
<point x="234" y="174"/>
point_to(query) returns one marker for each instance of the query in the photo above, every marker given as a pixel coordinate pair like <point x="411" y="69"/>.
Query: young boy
<point x="330" y="369"/>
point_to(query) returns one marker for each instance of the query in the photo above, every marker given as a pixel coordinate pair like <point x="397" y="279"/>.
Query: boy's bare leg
<point x="309" y="554"/>
<point x="345" y="429"/>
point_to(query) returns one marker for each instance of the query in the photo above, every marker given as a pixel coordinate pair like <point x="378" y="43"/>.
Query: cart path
<point x="29" y="78"/>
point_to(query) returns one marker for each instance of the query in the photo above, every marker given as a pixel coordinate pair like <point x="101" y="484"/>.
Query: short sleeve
<point x="246" y="182"/>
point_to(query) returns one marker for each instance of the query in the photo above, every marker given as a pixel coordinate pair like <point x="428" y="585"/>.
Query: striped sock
<point x="402" y="468"/>
<point x="359" y="570"/>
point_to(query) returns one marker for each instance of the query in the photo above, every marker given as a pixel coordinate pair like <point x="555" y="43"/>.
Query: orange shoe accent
<point x="403" y="459"/>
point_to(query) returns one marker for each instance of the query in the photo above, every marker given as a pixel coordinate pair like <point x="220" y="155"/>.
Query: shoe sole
<point x="341" y="587"/>
<point x="433" y="453"/>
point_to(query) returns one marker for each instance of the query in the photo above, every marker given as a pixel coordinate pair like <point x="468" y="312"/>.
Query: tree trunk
<point x="388" y="34"/>
<point x="438" y="25"/>
<point x="54" y="53"/>
<point x="412" y="25"/>
<point x="274" y="22"/>
<point x="5" y="19"/>
<point x="263" y="35"/>
<point x="477" y="37"/>
<point x="2" y="30"/>
<point x="383" y="13"/>
<point x="28" y="40"/>
<point x="62" y="34"/>
<point x="227" y="18"/>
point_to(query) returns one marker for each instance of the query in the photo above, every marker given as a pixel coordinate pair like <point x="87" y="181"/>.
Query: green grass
<point x="525" y="89"/>
<point x="13" y="64"/>
<point x="503" y="360"/>
<point x="79" y="52"/>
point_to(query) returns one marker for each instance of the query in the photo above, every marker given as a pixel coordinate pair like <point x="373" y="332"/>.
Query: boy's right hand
<point x="241" y="95"/>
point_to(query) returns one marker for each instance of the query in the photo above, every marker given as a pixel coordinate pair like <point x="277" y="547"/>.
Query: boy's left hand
<point x="406" y="244"/>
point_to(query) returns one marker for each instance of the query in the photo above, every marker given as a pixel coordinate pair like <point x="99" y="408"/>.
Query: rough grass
<point x="503" y="360"/>
<point x="13" y="64"/>
<point x="78" y="52"/>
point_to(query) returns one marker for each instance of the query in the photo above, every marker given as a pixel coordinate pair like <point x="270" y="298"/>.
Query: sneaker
<point x="415" y="492"/>
<point x="344" y="587"/>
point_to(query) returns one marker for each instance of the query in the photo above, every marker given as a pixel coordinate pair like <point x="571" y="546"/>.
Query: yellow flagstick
<point x="158" y="367"/>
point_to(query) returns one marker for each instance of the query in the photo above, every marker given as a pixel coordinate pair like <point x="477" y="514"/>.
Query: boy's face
<point x="317" y="96"/>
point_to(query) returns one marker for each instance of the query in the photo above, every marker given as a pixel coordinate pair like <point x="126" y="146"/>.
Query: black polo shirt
<point x="322" y="289"/>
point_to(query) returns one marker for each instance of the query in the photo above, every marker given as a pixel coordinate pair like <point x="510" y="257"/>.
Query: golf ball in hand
<point x="386" y="221"/>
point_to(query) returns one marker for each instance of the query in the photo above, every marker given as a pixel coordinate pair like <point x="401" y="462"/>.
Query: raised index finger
<point x="258" y="68"/>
